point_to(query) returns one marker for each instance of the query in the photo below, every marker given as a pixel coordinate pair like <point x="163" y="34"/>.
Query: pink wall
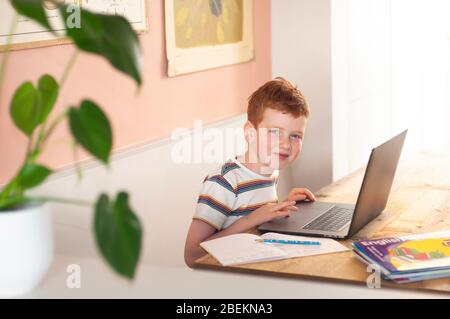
<point x="161" y="105"/>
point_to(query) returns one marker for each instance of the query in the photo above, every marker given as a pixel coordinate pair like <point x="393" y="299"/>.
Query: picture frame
<point x="205" y="53"/>
<point x="28" y="34"/>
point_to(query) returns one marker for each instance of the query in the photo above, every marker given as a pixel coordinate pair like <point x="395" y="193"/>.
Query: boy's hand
<point x="299" y="194"/>
<point x="271" y="211"/>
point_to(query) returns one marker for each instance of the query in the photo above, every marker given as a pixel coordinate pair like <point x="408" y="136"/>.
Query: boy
<point x="241" y="194"/>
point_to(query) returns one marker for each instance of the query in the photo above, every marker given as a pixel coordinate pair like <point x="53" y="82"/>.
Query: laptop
<point x="337" y="220"/>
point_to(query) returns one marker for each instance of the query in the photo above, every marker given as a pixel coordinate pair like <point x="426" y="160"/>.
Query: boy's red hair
<point x="278" y="94"/>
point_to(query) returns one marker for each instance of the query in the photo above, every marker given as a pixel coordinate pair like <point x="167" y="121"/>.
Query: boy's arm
<point x="201" y="231"/>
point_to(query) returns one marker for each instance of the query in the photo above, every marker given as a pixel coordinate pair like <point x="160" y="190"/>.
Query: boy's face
<point x="279" y="138"/>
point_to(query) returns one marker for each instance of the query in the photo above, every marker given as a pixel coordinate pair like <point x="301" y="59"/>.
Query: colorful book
<point x="408" y="258"/>
<point x="409" y="277"/>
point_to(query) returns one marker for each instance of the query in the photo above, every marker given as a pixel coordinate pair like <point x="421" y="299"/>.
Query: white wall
<point x="421" y="72"/>
<point x="163" y="193"/>
<point x="301" y="52"/>
<point x="361" y="71"/>
<point x="391" y="71"/>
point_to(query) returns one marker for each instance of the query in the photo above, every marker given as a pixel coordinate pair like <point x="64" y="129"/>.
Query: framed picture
<point x="204" y="34"/>
<point x="28" y="34"/>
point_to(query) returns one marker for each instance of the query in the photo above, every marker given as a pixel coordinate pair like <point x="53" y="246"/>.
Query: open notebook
<point x="244" y="248"/>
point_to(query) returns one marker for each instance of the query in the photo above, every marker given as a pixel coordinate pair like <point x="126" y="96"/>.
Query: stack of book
<point x="408" y="258"/>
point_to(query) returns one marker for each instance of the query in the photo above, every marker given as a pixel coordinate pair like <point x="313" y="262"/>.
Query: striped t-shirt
<point x="233" y="191"/>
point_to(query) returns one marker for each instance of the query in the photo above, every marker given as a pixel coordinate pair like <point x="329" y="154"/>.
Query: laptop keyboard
<point x="332" y="220"/>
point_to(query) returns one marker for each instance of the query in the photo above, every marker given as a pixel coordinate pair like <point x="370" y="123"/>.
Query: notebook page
<point x="241" y="249"/>
<point x="327" y="246"/>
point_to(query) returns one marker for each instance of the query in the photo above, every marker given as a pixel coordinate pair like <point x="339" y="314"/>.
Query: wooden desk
<point x="419" y="202"/>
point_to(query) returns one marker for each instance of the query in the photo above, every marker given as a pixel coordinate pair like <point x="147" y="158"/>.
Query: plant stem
<point x="76" y="163"/>
<point x="6" y="51"/>
<point x="55" y="123"/>
<point x="69" y="66"/>
<point x="33" y="152"/>
<point x="64" y="201"/>
<point x="11" y="187"/>
<point x="44" y="135"/>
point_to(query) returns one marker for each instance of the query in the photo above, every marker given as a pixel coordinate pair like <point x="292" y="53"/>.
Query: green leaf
<point x="32" y="174"/>
<point x="118" y="233"/>
<point x="91" y="129"/>
<point x="15" y="202"/>
<point x="32" y="9"/>
<point x="109" y="36"/>
<point x="26" y="108"/>
<point x="48" y="88"/>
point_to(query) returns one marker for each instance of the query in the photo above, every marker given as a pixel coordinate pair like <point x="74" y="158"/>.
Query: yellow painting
<point x="208" y="22"/>
<point x="203" y="34"/>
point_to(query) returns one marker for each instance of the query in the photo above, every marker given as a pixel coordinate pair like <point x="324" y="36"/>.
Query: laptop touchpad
<point x="309" y="211"/>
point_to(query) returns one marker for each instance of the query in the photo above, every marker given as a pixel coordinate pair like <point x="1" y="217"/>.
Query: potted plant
<point x="26" y="247"/>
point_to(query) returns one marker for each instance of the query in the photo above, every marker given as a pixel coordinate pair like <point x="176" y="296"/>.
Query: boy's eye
<point x="296" y="137"/>
<point x="274" y="131"/>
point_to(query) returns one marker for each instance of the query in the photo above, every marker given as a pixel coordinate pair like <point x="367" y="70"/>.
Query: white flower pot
<point x="26" y="249"/>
